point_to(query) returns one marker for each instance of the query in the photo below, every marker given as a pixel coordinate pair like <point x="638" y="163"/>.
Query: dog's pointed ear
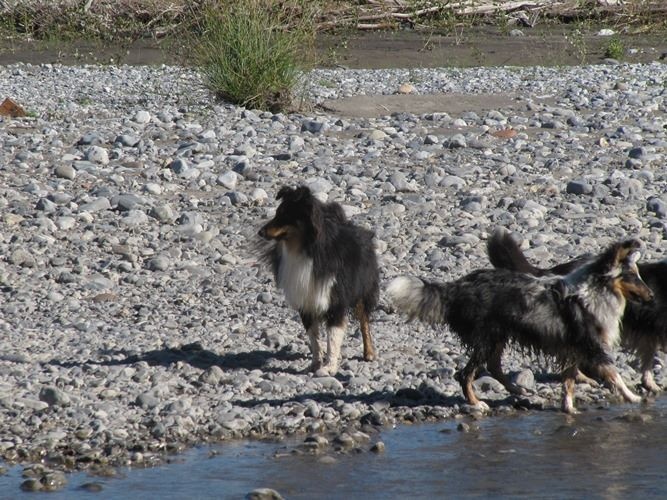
<point x="302" y="193"/>
<point x="299" y="194"/>
<point x="284" y="192"/>
<point x="629" y="252"/>
<point x="634" y="256"/>
<point x="313" y="207"/>
<point x="620" y="254"/>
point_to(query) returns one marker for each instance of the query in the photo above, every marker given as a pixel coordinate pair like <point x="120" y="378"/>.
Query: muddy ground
<point x="486" y="46"/>
<point x="479" y="46"/>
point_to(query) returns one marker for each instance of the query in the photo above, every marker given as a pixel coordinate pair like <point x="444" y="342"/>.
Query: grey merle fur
<point x="644" y="323"/>
<point x="572" y="318"/>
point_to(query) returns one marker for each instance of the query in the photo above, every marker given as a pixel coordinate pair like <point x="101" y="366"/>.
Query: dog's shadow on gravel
<point x="195" y="355"/>
<point x="408" y="397"/>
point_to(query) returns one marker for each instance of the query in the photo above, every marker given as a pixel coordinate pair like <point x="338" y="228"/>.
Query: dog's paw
<point x="315" y="365"/>
<point x="627" y="395"/>
<point x="326" y="371"/>
<point x="651" y="387"/>
<point x="481" y="406"/>
<point x="568" y="406"/>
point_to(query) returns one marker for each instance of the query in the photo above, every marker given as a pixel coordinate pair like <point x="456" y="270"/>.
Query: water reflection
<point x="608" y="453"/>
<point x="614" y="453"/>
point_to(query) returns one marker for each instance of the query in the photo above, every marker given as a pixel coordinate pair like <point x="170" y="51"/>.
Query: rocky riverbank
<point x="135" y="319"/>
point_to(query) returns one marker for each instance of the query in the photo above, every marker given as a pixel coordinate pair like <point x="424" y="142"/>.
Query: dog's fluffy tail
<point x="504" y="253"/>
<point x="419" y="299"/>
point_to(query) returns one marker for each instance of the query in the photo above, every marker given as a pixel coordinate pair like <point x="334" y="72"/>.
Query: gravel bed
<point x="136" y="320"/>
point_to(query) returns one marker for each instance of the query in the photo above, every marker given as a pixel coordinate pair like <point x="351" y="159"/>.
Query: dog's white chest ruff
<point x="302" y="291"/>
<point x="607" y="309"/>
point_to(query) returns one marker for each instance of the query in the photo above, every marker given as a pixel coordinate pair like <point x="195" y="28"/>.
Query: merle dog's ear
<point x="629" y="251"/>
<point x="632" y="252"/>
<point x="621" y="253"/>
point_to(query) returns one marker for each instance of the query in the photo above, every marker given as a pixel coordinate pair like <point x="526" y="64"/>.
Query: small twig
<point x="373" y="26"/>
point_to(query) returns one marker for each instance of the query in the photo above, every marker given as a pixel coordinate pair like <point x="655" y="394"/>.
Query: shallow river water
<point x="617" y="452"/>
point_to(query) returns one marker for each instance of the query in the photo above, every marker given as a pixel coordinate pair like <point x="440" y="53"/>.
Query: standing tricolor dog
<point x="326" y="267"/>
<point x="572" y="318"/>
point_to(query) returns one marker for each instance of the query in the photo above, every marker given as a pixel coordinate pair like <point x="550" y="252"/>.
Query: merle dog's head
<point x="298" y="218"/>
<point x="619" y="264"/>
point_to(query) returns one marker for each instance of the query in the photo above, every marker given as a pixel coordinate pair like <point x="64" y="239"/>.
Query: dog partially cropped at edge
<point x="326" y="267"/>
<point x="644" y="327"/>
<point x="571" y="318"/>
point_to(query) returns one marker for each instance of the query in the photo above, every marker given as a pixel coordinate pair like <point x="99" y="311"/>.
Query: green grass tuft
<point x="253" y="53"/>
<point x="614" y="49"/>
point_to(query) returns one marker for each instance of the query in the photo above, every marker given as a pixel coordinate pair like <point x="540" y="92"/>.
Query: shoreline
<point x="135" y="320"/>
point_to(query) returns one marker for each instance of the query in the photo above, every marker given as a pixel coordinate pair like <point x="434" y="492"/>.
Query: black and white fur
<point x="644" y="323"/>
<point x="570" y="318"/>
<point x="326" y="267"/>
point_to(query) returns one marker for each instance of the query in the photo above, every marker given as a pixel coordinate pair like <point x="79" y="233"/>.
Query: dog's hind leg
<point x="335" y="335"/>
<point x="312" y="329"/>
<point x="466" y="377"/>
<point x="569" y="375"/>
<point x="646" y="353"/>
<point x="495" y="367"/>
<point x="609" y="373"/>
<point x="365" y="327"/>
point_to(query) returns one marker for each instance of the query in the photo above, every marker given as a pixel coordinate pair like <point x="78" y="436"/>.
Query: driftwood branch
<point x="382" y="14"/>
<point x="377" y="14"/>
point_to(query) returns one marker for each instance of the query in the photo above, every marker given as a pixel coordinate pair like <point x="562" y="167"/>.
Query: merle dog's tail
<point x="419" y="299"/>
<point x="504" y="253"/>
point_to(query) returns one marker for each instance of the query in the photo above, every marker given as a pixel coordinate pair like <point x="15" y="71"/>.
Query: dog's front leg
<point x="315" y="347"/>
<point x="648" y="382"/>
<point x="610" y="374"/>
<point x="313" y="330"/>
<point x="569" y="379"/>
<point x="335" y="336"/>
